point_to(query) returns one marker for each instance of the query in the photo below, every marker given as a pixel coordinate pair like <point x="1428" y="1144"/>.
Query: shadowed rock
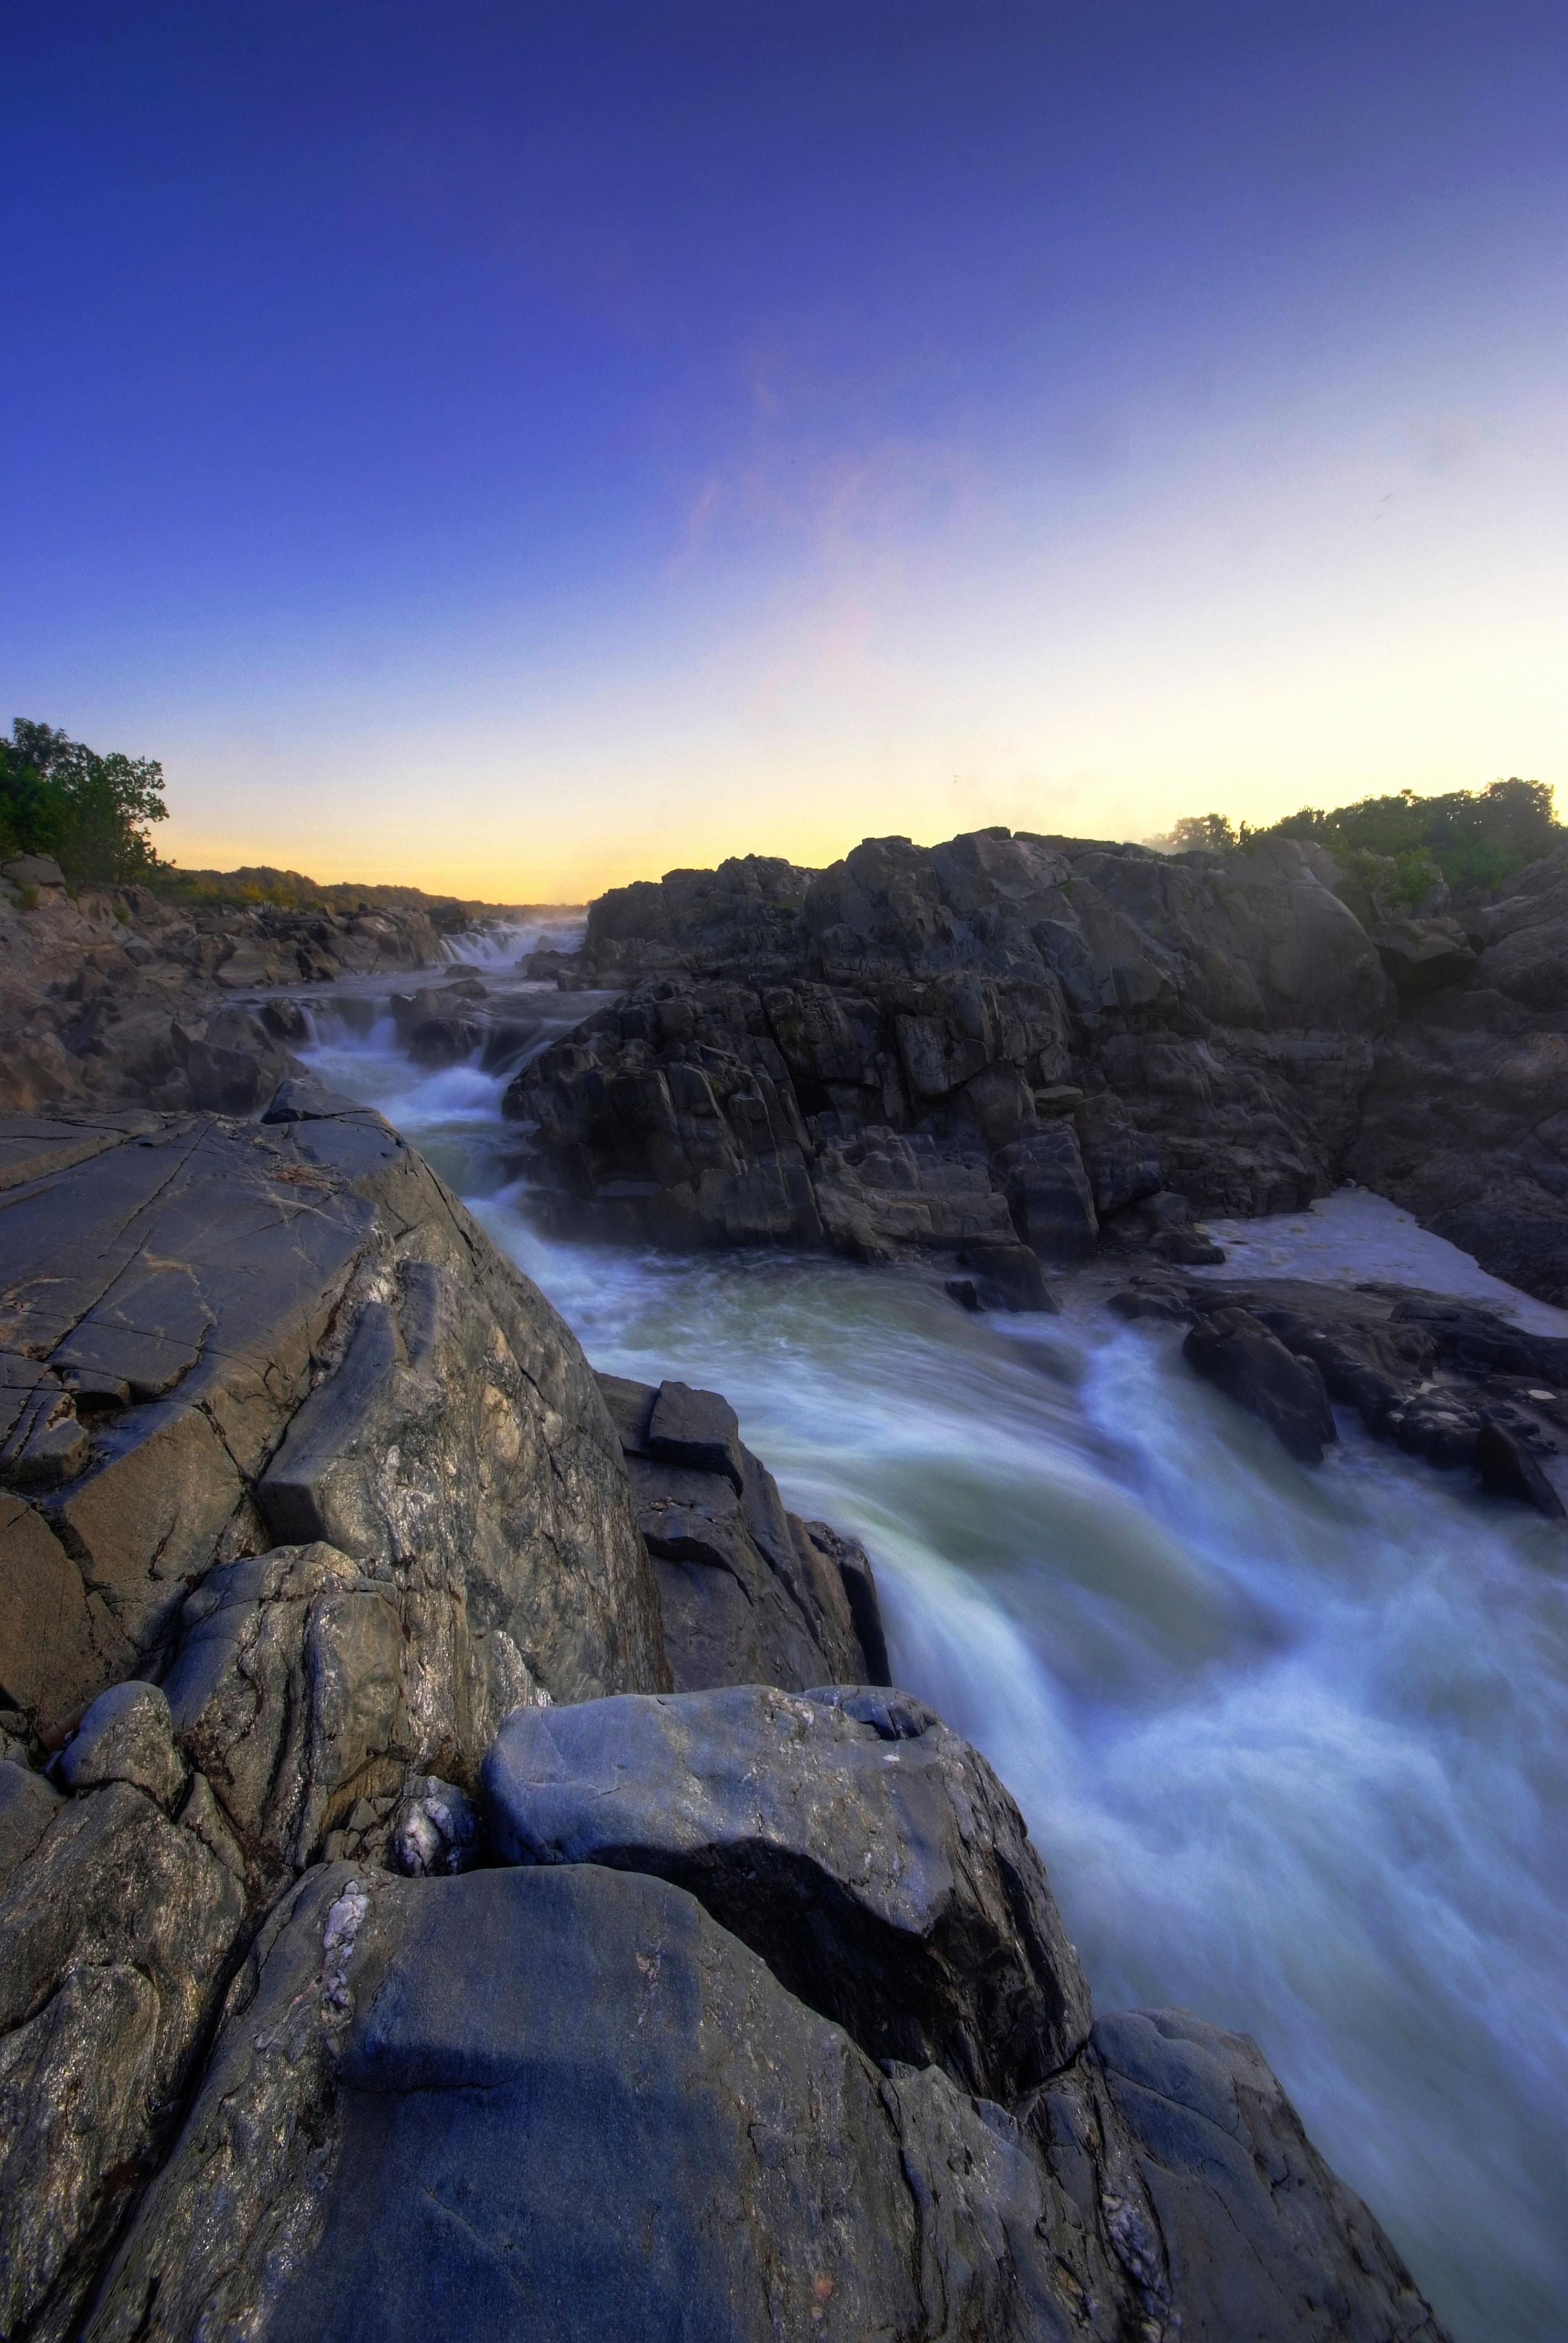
<point x="868" y="1853"/>
<point x="1232" y="1350"/>
<point x="552" y="2106"/>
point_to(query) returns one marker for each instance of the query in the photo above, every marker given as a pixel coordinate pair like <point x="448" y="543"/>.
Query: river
<point x="1293" y="1742"/>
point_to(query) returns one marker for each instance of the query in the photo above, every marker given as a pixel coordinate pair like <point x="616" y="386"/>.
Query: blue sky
<point x="519" y="450"/>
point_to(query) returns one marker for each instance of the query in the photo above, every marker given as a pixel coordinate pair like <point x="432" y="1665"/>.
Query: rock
<point x="1425" y="955"/>
<point x="114" y="1935"/>
<point x="928" y="1049"/>
<point x="437" y="1831"/>
<point x="32" y="870"/>
<point x="1508" y="1470"/>
<point x="854" y="1567"/>
<point x="443" y="1040"/>
<point x="564" y="2105"/>
<point x="1463" y="1121"/>
<point x="1257" y="2237"/>
<point x="127" y="1736"/>
<point x="29" y="1805"/>
<point x="865" y="1852"/>
<point x="231" y="1062"/>
<point x="309" y="1331"/>
<point x="1187" y="1248"/>
<point x="696" y="1429"/>
<point x="1231" y="1348"/>
<point x="1421" y="1370"/>
<point x="746" y="1596"/>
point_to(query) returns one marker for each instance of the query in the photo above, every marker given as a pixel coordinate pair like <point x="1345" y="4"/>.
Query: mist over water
<point x="1293" y="1742"/>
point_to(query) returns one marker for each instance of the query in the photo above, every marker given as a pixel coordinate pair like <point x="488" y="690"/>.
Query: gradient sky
<point x="517" y="449"/>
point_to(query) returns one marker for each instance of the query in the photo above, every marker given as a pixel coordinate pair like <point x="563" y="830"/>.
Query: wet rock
<point x="864" y="1851"/>
<point x="1231" y="1348"/>
<point x="1428" y="1373"/>
<point x="1508" y="1470"/>
<point x="1256" y="2236"/>
<point x="853" y="1565"/>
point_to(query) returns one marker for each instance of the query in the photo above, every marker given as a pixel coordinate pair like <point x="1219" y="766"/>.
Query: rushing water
<point x="1293" y="1742"/>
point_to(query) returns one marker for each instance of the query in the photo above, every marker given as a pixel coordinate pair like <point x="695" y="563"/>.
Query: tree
<point x="1211" y="833"/>
<point x="91" y="812"/>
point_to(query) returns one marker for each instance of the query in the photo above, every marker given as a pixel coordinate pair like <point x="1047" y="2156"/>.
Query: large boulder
<point x="869" y="1855"/>
<point x="556" y="2105"/>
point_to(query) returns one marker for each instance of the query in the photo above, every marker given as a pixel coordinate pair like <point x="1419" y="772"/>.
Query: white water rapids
<point x="1293" y="1742"/>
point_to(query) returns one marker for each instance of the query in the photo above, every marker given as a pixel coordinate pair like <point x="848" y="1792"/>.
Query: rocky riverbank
<point x="114" y="997"/>
<point x="384" y="1945"/>
<point x="1010" y="1049"/>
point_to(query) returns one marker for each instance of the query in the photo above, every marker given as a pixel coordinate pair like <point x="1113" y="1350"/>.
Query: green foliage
<point x="92" y="813"/>
<point x="1396" y="849"/>
<point x="1471" y="838"/>
<point x="1211" y="833"/>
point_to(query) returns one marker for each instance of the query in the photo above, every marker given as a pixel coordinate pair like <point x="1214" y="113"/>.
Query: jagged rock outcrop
<point x="998" y="1044"/>
<point x="308" y="1502"/>
<point x="750" y="1592"/>
<point x="1448" y="1380"/>
<point x="1465" y="1121"/>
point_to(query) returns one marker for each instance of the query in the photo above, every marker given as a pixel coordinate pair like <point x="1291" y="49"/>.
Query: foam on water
<point x="1293" y="1742"/>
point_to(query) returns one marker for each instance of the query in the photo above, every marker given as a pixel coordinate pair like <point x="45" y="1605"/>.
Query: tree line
<point x="1471" y="840"/>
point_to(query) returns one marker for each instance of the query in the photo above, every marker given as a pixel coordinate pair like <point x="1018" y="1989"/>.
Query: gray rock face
<point x="562" y="2101"/>
<point x="115" y="1934"/>
<point x="1466" y="1118"/>
<point x="748" y="1592"/>
<point x="293" y="1333"/>
<point x="1188" y="2202"/>
<point x="869" y="1855"/>
<point x="1003" y="1040"/>
<point x="414" y="2124"/>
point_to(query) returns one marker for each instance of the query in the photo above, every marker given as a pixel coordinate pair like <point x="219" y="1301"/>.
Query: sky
<point x="518" y="449"/>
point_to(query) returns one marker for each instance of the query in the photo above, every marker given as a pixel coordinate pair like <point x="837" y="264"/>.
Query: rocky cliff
<point x="386" y="1949"/>
<point x="1009" y="1047"/>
